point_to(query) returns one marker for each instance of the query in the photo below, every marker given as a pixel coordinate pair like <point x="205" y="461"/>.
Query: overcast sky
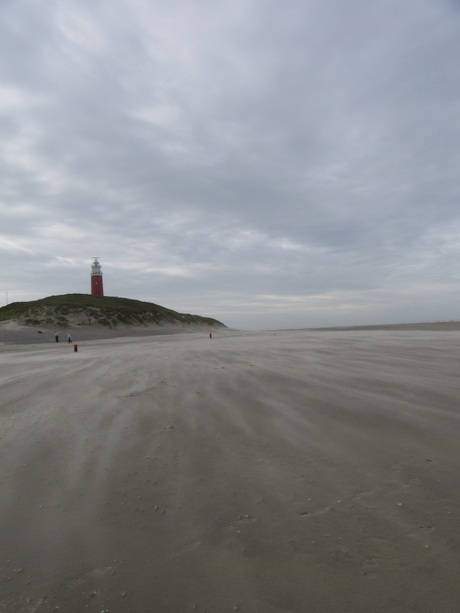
<point x="269" y="164"/>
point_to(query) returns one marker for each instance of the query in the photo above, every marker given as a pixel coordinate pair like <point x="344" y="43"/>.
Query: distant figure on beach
<point x="210" y="335"/>
<point x="56" y="336"/>
<point x="69" y="338"/>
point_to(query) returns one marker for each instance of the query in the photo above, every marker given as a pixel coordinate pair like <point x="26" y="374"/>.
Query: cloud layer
<point x="269" y="165"/>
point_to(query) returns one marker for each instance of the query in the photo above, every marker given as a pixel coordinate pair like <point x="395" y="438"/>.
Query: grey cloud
<point x="241" y="149"/>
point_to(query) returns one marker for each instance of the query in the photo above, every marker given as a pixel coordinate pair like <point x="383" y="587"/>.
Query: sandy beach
<point x="269" y="472"/>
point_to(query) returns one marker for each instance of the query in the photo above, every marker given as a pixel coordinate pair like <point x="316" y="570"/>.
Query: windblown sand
<point x="300" y="471"/>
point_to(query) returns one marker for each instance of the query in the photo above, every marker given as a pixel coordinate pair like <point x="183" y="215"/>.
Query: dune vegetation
<point x="81" y="309"/>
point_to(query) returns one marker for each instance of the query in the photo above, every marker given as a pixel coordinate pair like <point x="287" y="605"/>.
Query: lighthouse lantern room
<point x="97" y="288"/>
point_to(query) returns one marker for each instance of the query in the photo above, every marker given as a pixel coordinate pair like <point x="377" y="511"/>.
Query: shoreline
<point x="12" y="333"/>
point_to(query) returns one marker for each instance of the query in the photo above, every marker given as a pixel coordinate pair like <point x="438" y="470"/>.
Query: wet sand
<point x="256" y="472"/>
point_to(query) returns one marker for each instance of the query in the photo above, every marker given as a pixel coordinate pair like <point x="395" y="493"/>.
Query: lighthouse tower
<point x="97" y="288"/>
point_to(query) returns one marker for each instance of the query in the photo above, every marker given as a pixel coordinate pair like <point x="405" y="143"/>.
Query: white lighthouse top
<point x="96" y="268"/>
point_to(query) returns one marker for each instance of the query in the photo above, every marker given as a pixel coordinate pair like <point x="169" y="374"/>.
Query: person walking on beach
<point x="56" y="336"/>
<point x="69" y="339"/>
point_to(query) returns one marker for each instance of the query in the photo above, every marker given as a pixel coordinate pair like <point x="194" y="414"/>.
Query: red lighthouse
<point x="97" y="288"/>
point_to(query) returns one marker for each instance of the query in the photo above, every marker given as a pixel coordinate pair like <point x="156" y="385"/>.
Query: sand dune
<point x="254" y="472"/>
